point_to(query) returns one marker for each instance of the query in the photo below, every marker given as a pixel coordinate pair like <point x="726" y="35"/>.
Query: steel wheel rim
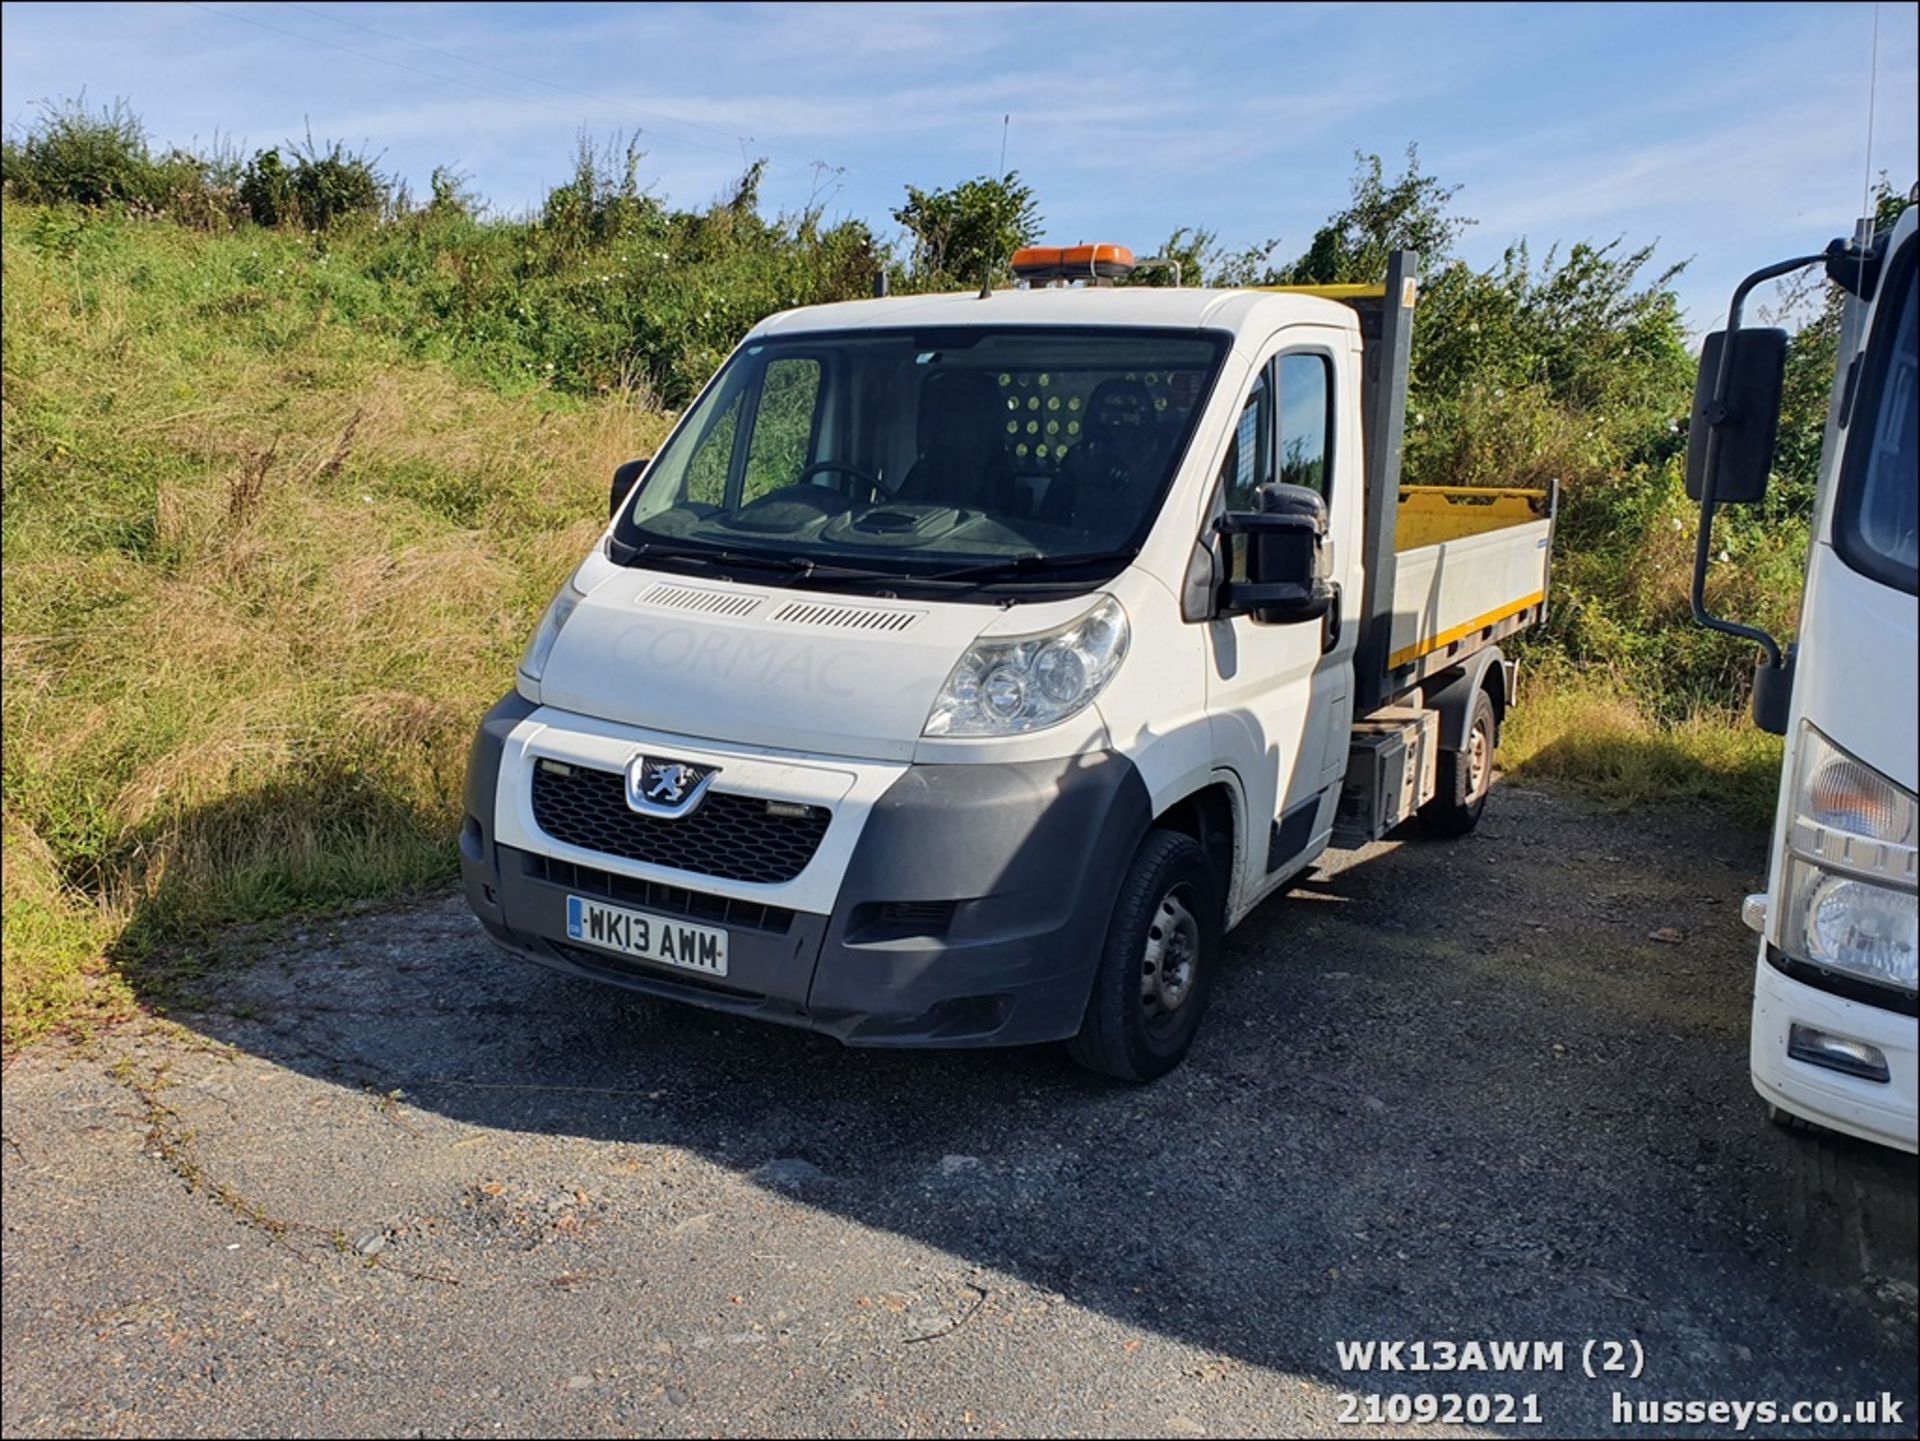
<point x="1479" y="760"/>
<point x="1170" y="960"/>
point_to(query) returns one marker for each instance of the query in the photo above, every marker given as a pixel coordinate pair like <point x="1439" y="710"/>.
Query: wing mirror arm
<point x="1736" y="416"/>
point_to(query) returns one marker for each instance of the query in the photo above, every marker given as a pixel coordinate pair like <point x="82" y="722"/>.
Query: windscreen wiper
<point x="703" y="555"/>
<point x="802" y="568"/>
<point x="1020" y="565"/>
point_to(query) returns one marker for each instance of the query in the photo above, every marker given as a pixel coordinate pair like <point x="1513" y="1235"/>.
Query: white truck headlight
<point x="533" y="663"/>
<point x="1849" y="924"/>
<point x="1850" y="905"/>
<point x="1008" y="685"/>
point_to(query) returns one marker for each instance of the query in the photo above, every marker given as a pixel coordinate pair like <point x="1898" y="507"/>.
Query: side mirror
<point x="1286" y="575"/>
<point x="624" y="480"/>
<point x="1747" y="421"/>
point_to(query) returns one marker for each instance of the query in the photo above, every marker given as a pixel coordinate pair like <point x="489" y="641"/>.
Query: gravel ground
<point x="397" y="1182"/>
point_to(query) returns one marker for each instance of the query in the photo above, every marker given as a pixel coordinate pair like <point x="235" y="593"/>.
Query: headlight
<point x="1851" y="925"/>
<point x="1009" y="685"/>
<point x="1834" y="790"/>
<point x="534" y="663"/>
<point x="1848" y="877"/>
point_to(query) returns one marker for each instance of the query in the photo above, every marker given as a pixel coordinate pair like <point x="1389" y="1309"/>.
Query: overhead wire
<point x="382" y="60"/>
<point x="620" y="105"/>
<point x="582" y="116"/>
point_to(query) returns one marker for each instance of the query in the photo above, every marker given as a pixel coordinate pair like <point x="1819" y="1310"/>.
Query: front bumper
<point x="970" y="910"/>
<point x="1882" y="1111"/>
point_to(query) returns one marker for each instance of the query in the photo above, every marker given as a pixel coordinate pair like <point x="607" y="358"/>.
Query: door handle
<point x="1330" y="623"/>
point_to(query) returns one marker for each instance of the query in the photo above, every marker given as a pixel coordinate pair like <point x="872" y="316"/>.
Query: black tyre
<point x="1464" y="776"/>
<point x="1162" y="948"/>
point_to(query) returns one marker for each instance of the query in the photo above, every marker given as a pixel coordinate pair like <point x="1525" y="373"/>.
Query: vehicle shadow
<point x="1453" y="1091"/>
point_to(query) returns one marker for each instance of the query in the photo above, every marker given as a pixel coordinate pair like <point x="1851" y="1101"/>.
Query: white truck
<point x="963" y="667"/>
<point x="1834" y="1004"/>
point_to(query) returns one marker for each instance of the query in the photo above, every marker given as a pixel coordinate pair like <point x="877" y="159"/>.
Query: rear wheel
<point x="1464" y="777"/>
<point x="1155" y="970"/>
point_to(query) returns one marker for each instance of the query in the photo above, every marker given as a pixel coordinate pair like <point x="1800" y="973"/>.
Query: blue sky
<point x="1732" y="134"/>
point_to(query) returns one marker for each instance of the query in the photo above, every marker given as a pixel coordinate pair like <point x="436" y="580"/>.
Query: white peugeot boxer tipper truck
<point x="1835" y="1038"/>
<point x="963" y="667"/>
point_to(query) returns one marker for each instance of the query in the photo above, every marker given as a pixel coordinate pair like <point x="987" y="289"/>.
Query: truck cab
<point x="1833" y="1038"/>
<point x="963" y="667"/>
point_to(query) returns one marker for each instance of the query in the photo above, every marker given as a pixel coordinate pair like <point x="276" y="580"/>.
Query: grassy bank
<point x="262" y="572"/>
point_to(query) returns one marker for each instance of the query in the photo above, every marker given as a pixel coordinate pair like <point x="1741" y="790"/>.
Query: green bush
<point x="75" y="156"/>
<point x="607" y="289"/>
<point x="319" y="189"/>
<point x="83" y="157"/>
<point x="970" y="232"/>
<point x="95" y="159"/>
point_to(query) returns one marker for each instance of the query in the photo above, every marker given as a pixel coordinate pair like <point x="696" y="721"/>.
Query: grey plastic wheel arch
<point x="1454" y="698"/>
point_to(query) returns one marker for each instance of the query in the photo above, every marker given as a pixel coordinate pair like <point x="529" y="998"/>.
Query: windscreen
<point x="981" y="453"/>
<point x="1877" y="516"/>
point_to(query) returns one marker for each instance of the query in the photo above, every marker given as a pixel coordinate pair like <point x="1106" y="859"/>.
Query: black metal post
<point x="1384" y="402"/>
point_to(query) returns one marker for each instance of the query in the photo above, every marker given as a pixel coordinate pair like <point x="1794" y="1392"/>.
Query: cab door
<point x="1280" y="697"/>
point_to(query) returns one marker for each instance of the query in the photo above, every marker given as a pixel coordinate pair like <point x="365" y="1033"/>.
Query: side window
<point x="706" y="482"/>
<point x="1249" y="462"/>
<point x="1306" y="391"/>
<point x="782" y="443"/>
<point x="1877" y="516"/>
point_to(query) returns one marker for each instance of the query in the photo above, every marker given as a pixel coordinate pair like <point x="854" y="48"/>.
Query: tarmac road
<point x="397" y="1182"/>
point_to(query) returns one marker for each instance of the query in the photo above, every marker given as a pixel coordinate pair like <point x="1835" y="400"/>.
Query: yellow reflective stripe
<point x="1326" y="292"/>
<point x="1461" y="632"/>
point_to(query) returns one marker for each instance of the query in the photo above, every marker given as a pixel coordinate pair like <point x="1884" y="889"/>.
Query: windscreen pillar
<point x="1383" y="399"/>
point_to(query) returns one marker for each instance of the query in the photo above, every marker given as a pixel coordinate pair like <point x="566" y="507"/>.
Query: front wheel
<point x="1464" y="776"/>
<point x="1162" y="948"/>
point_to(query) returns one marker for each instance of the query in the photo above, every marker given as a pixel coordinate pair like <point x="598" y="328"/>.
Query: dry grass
<point x="261" y="578"/>
<point x="1595" y="739"/>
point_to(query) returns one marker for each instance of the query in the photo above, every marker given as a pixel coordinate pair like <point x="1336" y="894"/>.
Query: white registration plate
<point x="647" y="937"/>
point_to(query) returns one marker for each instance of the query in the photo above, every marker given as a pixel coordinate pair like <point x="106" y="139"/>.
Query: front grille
<point x="845" y="617"/>
<point x="730" y="836"/>
<point x="873" y="922"/>
<point x="657" y="896"/>
<point x="920" y="915"/>
<point x="707" y="602"/>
